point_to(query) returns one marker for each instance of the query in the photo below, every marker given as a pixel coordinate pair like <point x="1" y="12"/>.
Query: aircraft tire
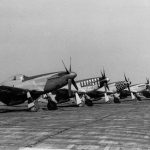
<point x="35" y="108"/>
<point x="51" y="105"/>
<point x="88" y="102"/>
<point x="139" y="98"/>
<point x="116" y="100"/>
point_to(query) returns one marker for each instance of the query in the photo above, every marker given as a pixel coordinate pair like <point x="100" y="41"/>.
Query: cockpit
<point x="18" y="77"/>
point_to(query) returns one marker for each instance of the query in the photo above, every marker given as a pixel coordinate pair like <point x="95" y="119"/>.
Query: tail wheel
<point x="88" y="102"/>
<point x="51" y="105"/>
<point x="116" y="100"/>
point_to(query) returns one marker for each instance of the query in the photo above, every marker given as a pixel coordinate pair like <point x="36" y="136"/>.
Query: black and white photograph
<point x="74" y="75"/>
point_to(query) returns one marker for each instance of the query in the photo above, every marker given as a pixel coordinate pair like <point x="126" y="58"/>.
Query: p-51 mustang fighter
<point x="84" y="89"/>
<point x="137" y="90"/>
<point x="114" y="89"/>
<point x="146" y="92"/>
<point x="20" y="88"/>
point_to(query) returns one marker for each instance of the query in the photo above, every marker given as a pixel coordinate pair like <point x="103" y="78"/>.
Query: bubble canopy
<point x="18" y="77"/>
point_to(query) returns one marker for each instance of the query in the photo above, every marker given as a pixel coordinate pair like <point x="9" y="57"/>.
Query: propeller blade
<point x="128" y="88"/>
<point x="107" y="86"/>
<point x="132" y="95"/>
<point x="106" y="96"/>
<point x="70" y="65"/>
<point x="125" y="78"/>
<point x="104" y="73"/>
<point x="65" y="67"/>
<point x="69" y="87"/>
<point x="75" y="85"/>
<point x="147" y="81"/>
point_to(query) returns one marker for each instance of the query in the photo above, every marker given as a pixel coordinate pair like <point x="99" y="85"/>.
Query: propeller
<point x="70" y="81"/>
<point x="147" y="80"/>
<point x="147" y="83"/>
<point x="105" y="81"/>
<point x="128" y="82"/>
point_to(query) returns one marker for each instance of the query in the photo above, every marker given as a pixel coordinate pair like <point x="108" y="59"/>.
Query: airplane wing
<point x="13" y="95"/>
<point x="14" y="90"/>
<point x="9" y="89"/>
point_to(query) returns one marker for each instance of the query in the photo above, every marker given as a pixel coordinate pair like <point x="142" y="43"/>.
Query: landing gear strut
<point x="116" y="99"/>
<point x="32" y="104"/>
<point x="52" y="104"/>
<point x="88" y="102"/>
<point x="138" y="97"/>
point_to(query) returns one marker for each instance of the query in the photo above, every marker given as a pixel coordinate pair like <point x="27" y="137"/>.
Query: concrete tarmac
<point x="124" y="126"/>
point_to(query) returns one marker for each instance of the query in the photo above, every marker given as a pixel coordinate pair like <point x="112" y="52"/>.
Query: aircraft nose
<point x="107" y="79"/>
<point x="73" y="75"/>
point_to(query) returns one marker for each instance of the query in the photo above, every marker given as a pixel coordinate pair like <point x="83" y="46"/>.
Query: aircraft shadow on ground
<point x="68" y="106"/>
<point x="4" y="110"/>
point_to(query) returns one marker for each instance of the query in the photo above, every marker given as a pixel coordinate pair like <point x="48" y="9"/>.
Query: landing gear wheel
<point x="88" y="102"/>
<point x="51" y="105"/>
<point x="138" y="98"/>
<point x="116" y="100"/>
<point x="35" y="108"/>
<point x="81" y="105"/>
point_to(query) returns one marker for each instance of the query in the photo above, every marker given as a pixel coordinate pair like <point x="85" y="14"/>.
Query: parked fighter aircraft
<point x="20" y="88"/>
<point x="146" y="92"/>
<point x="84" y="88"/>
<point x="115" y="89"/>
<point x="137" y="89"/>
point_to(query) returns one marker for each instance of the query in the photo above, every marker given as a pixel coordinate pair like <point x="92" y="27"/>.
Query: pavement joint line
<point x="41" y="139"/>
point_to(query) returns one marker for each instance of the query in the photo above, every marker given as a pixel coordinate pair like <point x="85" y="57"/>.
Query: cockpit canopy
<point x="18" y="77"/>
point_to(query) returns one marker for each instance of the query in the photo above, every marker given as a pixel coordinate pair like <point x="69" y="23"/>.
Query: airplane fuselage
<point x="138" y="87"/>
<point x="90" y="84"/>
<point x="37" y="85"/>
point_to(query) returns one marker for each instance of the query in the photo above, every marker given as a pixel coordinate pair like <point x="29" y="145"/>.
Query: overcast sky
<point x="36" y="34"/>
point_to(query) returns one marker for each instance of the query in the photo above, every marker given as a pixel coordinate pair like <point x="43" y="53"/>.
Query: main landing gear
<point x="88" y="101"/>
<point x="52" y="103"/>
<point x="137" y="97"/>
<point x="32" y="104"/>
<point x="116" y="99"/>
